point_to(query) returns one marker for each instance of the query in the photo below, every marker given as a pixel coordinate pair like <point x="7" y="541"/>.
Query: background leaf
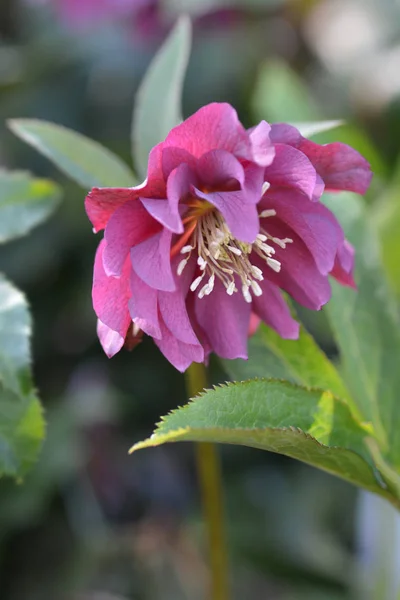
<point x="21" y="419"/>
<point x="366" y="328"/>
<point x="24" y="203"/>
<point x="158" y="102"/>
<point x="87" y="162"/>
<point x="309" y="425"/>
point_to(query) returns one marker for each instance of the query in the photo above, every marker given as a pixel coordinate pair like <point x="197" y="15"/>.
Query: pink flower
<point x="226" y="219"/>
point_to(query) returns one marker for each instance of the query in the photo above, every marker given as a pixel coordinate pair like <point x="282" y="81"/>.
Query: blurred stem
<point x="209" y="473"/>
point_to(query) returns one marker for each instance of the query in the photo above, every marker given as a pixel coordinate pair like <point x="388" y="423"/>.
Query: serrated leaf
<point x="367" y="329"/>
<point x="300" y="361"/>
<point x="309" y="425"/>
<point x="21" y="419"/>
<point x="85" y="161"/>
<point x="158" y="102"/>
<point x="24" y="203"/>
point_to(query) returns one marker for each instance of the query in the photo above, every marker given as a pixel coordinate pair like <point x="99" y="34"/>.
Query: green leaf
<point x="158" y="103"/>
<point x="309" y="425"/>
<point x="281" y="95"/>
<point x="367" y="329"/>
<point x="300" y="361"/>
<point x="24" y="203"/>
<point x="314" y="128"/>
<point x="85" y="161"/>
<point x="21" y="419"/>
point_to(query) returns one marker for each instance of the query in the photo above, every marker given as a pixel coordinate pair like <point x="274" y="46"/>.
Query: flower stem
<point x="209" y="473"/>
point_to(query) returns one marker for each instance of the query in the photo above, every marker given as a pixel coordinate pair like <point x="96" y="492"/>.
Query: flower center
<point x="220" y="255"/>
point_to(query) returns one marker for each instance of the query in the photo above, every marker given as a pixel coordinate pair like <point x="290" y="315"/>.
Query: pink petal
<point x="174" y="157"/>
<point x="151" y="261"/>
<point x="173" y="305"/>
<point x="128" y="226"/>
<point x="225" y="321"/>
<point x="111" y="294"/>
<point x="344" y="265"/>
<point x="292" y="169"/>
<point x="101" y="203"/>
<point x="143" y="306"/>
<point x="110" y="340"/>
<point x="262" y="148"/>
<point x="340" y="166"/>
<point x="312" y="221"/>
<point x="162" y="211"/>
<point x="219" y="167"/>
<point x="273" y="310"/>
<point x="214" y="126"/>
<point x="254" y="324"/>
<point x="180" y="355"/>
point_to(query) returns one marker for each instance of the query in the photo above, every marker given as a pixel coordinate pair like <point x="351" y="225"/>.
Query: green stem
<point x="209" y="473"/>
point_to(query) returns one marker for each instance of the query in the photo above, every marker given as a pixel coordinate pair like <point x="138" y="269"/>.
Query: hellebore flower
<point x="226" y="219"/>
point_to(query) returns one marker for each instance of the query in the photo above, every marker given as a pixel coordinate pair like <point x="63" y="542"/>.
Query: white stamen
<point x="186" y="249"/>
<point x="202" y="263"/>
<point x="256" y="288"/>
<point x="195" y="284"/>
<point x="274" y="264"/>
<point x="246" y="293"/>
<point x="181" y="266"/>
<point x="270" y="212"/>
<point x="135" y="329"/>
<point x="235" y="250"/>
<point x="282" y="243"/>
<point x="231" y="288"/>
<point x="265" y="187"/>
<point x="257" y="273"/>
<point x="262" y="237"/>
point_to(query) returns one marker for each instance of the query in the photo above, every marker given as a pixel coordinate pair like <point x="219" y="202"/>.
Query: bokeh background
<point x="91" y="522"/>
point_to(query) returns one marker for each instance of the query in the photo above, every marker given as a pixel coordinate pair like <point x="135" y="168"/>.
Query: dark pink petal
<point x="111" y="341"/>
<point x="225" y="321"/>
<point x="262" y="149"/>
<point x="180" y="355"/>
<point x="179" y="185"/>
<point x="173" y="157"/>
<point x="299" y="274"/>
<point x="312" y="221"/>
<point x="143" y="306"/>
<point x="219" y="167"/>
<point x="241" y="218"/>
<point x="344" y="265"/>
<point x="162" y="211"/>
<point x="340" y="166"/>
<point x="214" y="126"/>
<point x="154" y="185"/>
<point x="151" y="261"/>
<point x="254" y="324"/>
<point x="128" y="226"/>
<point x="292" y="169"/>
<point x="101" y="203"/>
<point x="273" y="310"/>
<point x="111" y="294"/>
<point x="172" y="305"/>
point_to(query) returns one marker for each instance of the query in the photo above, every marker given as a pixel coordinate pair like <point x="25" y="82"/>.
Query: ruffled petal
<point x="225" y="321"/>
<point x="101" y="203"/>
<point x="180" y="355"/>
<point x="111" y="295"/>
<point x="219" y="167"/>
<point x="292" y="169"/>
<point x="173" y="157"/>
<point x="263" y="151"/>
<point x="128" y="226"/>
<point x="344" y="265"/>
<point x="340" y="166"/>
<point x="110" y="340"/>
<point x="214" y="126"/>
<point x="312" y="221"/>
<point x="143" y="306"/>
<point x="151" y="261"/>
<point x="273" y="310"/>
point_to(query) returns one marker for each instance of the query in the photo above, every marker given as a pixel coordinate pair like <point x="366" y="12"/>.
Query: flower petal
<point x="291" y="168"/>
<point x="225" y="321"/>
<point x="173" y="157"/>
<point x="110" y="340"/>
<point x="340" y="166"/>
<point x="143" y="306"/>
<point x="151" y="261"/>
<point x="262" y="148"/>
<point x="180" y="355"/>
<point x="214" y="126"/>
<point x="344" y="265"/>
<point x="219" y="167"/>
<point x="312" y="221"/>
<point x="273" y="310"/>
<point x="111" y="294"/>
<point x="162" y="211"/>
<point x="101" y="203"/>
